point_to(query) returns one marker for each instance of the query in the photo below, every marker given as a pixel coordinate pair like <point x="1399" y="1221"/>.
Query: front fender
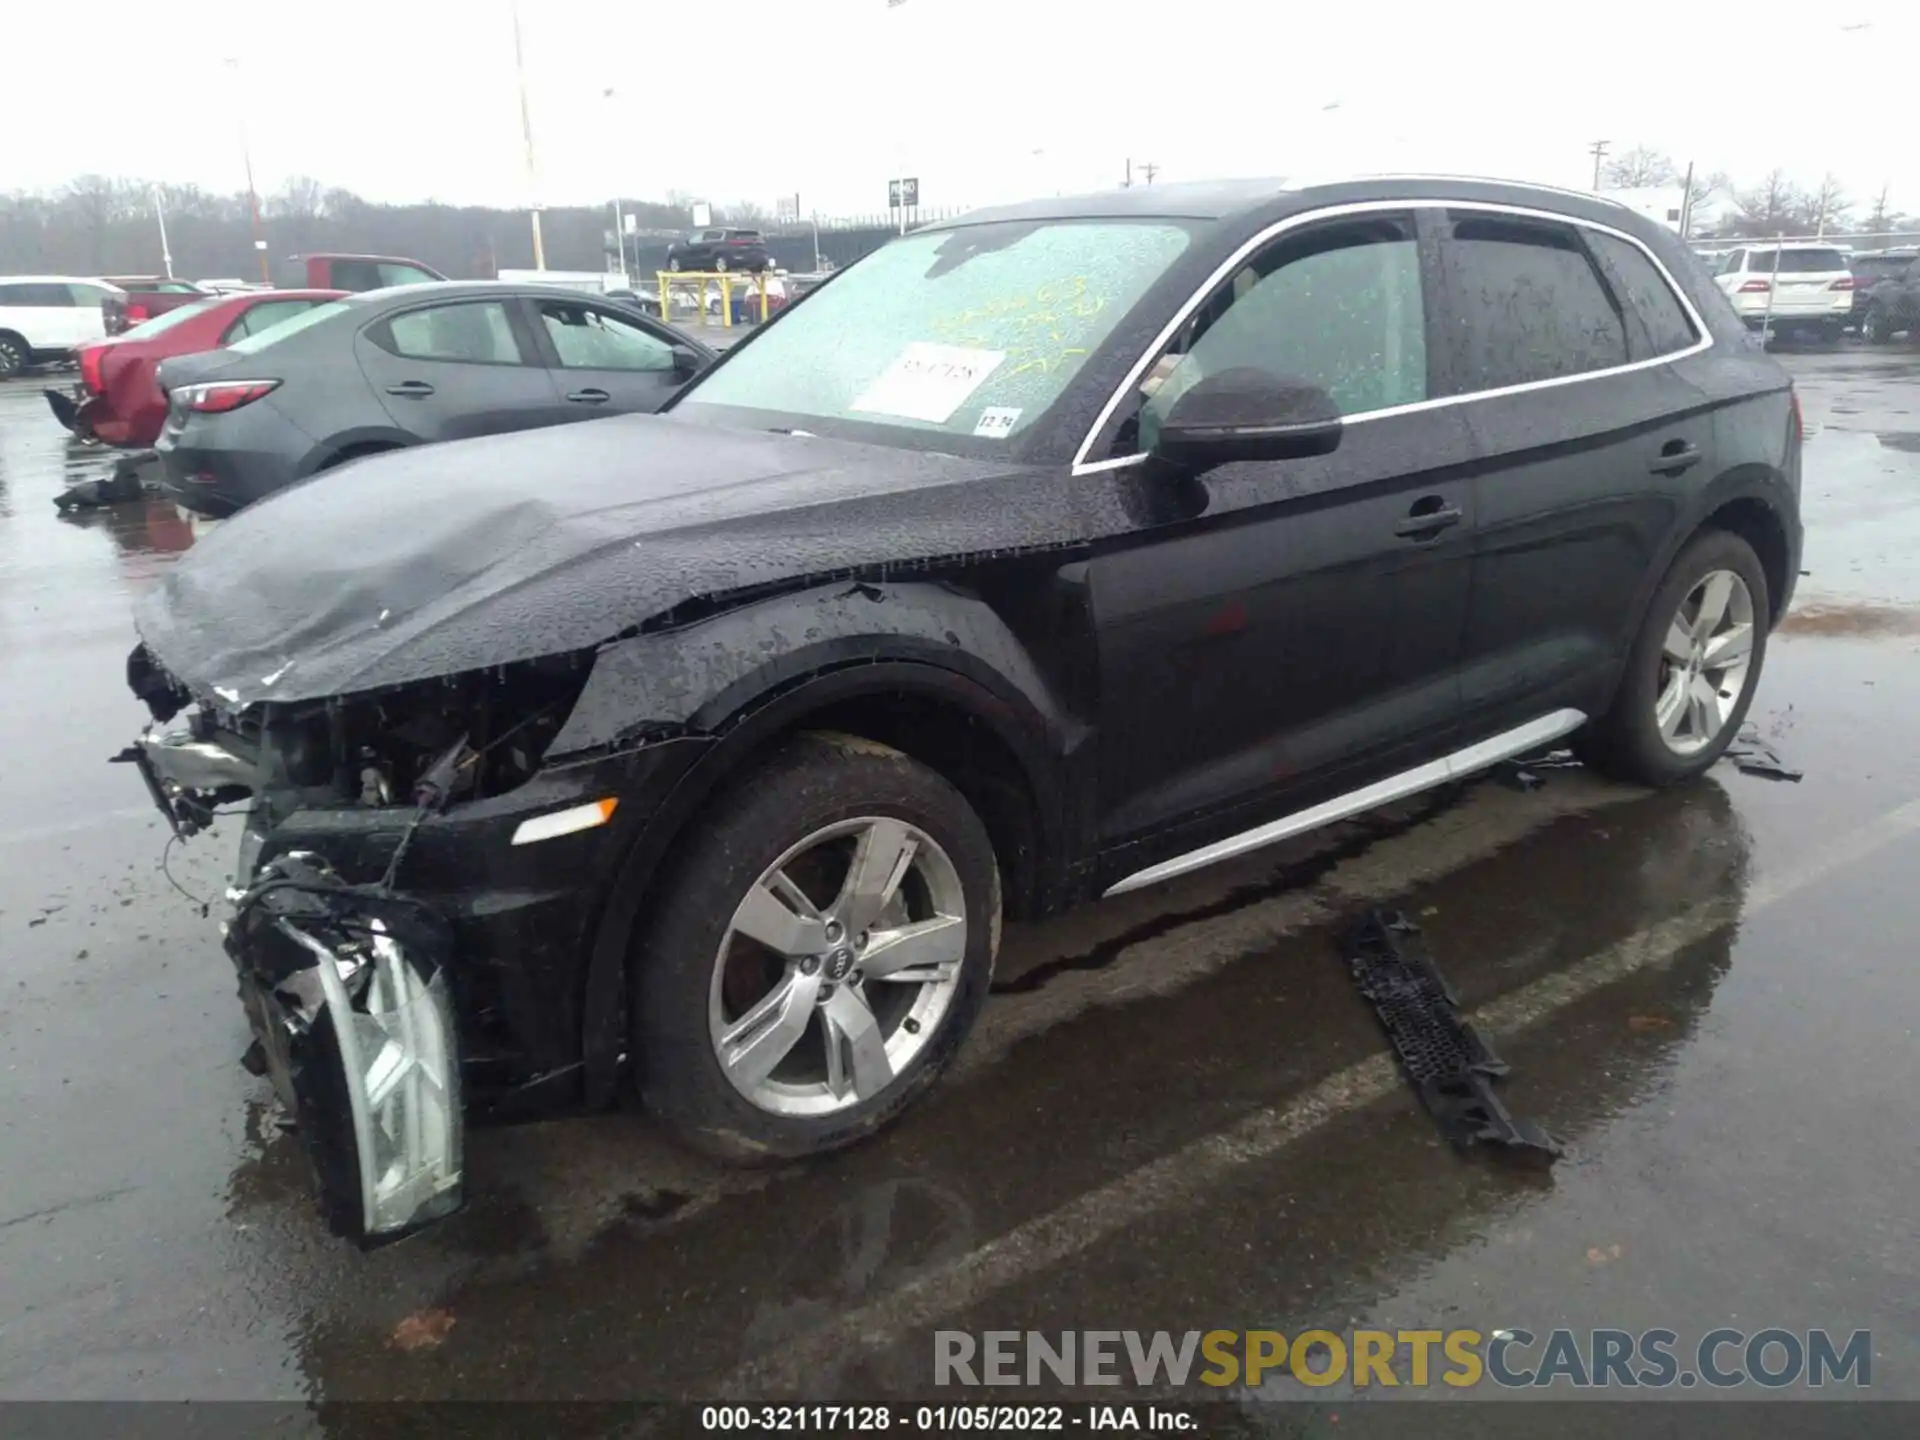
<point x="697" y="676"/>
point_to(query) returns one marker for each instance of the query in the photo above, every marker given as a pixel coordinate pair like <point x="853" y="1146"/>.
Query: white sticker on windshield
<point x="998" y="421"/>
<point x="928" y="382"/>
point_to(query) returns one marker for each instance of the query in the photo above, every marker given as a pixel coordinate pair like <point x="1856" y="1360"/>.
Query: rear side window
<point x="1647" y="292"/>
<point x="402" y="274"/>
<point x="259" y="341"/>
<point x="1525" y="303"/>
<point x="86" y="297"/>
<point x="470" y="333"/>
<point x="264" y="316"/>
<point x="34" y="296"/>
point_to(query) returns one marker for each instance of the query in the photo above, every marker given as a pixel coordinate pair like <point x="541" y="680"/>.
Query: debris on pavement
<point x="1451" y="1067"/>
<point x="422" y="1330"/>
<point x="1753" y="756"/>
<point x="121" y="483"/>
<point x="1529" y="772"/>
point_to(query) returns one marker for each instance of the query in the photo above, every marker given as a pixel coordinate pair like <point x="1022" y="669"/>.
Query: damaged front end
<point x="347" y="978"/>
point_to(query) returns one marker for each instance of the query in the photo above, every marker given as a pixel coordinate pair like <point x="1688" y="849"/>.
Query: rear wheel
<point x="13" y="355"/>
<point x="1873" y="328"/>
<point x="1691" y="674"/>
<point x="673" y="263"/>
<point x="825" y="946"/>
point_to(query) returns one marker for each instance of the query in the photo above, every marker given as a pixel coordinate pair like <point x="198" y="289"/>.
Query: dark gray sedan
<point x="406" y="366"/>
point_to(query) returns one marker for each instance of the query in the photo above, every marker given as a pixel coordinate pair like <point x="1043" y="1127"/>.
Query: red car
<point x="119" y="399"/>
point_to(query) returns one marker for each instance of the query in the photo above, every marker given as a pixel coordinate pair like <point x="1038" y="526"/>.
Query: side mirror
<point x="687" y="362"/>
<point x="1249" y="414"/>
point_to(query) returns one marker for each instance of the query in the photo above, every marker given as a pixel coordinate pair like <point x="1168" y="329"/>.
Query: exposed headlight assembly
<point x="347" y="990"/>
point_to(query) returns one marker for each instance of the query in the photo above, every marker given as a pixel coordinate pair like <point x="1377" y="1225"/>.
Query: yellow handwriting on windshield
<point x="1038" y="330"/>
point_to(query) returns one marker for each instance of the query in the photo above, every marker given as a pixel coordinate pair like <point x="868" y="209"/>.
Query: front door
<point x="603" y="362"/>
<point x="456" y="369"/>
<point x="1292" y="632"/>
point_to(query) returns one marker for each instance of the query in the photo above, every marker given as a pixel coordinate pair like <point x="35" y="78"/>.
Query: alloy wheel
<point x="837" y="967"/>
<point x="1705" y="661"/>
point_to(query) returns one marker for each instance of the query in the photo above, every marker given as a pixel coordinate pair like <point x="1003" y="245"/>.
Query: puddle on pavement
<point x="1822" y="617"/>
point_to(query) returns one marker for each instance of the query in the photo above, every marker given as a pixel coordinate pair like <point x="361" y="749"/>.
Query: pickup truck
<point x="150" y="295"/>
<point x="352" y="272"/>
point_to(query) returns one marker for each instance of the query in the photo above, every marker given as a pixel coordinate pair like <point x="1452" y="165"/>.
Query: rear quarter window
<point x="1647" y="291"/>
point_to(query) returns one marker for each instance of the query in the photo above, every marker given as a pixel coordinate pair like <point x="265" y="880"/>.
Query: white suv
<point x="42" y="317"/>
<point x="1807" y="288"/>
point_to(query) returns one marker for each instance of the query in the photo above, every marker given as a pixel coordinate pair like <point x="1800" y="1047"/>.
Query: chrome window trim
<point x="1083" y="466"/>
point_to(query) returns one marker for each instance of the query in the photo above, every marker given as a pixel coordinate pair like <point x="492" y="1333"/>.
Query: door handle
<point x="589" y="397"/>
<point x="1676" y="456"/>
<point x="1428" y="518"/>
<point x="412" y="389"/>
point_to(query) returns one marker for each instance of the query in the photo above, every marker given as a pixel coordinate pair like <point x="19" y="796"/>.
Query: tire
<point x="720" y="264"/>
<point x="1830" y="333"/>
<point x="1873" y="326"/>
<point x="1627" y="742"/>
<point x="13" y="356"/>
<point x="698" y="977"/>
<point x="673" y="263"/>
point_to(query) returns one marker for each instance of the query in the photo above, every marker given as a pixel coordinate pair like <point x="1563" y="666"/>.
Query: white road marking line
<point x="1178" y="1178"/>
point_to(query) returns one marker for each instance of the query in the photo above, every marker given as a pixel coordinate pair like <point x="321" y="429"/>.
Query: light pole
<point x="619" y="232"/>
<point x="166" y="254"/>
<point x="526" y="133"/>
<point x="900" y="134"/>
<point x="246" y="154"/>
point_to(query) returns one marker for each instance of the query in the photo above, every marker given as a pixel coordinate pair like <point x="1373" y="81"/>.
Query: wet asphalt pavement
<point x="1176" y="1113"/>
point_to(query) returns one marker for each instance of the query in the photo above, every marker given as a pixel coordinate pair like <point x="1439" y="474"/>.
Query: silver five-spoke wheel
<point x="837" y="967"/>
<point x="1705" y="660"/>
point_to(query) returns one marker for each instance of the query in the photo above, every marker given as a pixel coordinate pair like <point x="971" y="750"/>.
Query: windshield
<point x="172" y="318"/>
<point x="968" y="332"/>
<point x="274" y="334"/>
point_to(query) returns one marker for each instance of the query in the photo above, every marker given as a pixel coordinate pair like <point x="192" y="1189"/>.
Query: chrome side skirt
<point x="1458" y="765"/>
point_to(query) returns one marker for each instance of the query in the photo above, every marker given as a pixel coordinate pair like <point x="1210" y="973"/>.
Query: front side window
<point x="475" y="332"/>
<point x="589" y="339"/>
<point x="1648" y="292"/>
<point x="1524" y="304"/>
<point x="962" y="334"/>
<point x="359" y="275"/>
<point x="1340" y="308"/>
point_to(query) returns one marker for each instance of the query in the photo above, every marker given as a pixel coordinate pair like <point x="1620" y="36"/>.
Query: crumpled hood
<point x="455" y="557"/>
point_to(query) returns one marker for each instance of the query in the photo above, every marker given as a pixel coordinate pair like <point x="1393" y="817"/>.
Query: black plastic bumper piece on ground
<point x="1449" y="1064"/>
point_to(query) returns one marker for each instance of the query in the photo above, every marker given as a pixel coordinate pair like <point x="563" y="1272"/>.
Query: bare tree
<point x="1639" y="168"/>
<point x="301" y="198"/>
<point x="1828" y="205"/>
<point x="1775" y="206"/>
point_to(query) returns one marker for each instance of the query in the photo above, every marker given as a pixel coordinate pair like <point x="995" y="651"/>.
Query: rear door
<point x="1588" y="440"/>
<point x="83" y="318"/>
<point x="603" y="362"/>
<point x="457" y="368"/>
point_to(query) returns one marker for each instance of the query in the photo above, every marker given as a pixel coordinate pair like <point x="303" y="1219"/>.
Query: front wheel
<point x="825" y="946"/>
<point x="720" y="265"/>
<point x="1691" y="674"/>
<point x="1873" y="328"/>
<point x="673" y="263"/>
<point x="13" y="356"/>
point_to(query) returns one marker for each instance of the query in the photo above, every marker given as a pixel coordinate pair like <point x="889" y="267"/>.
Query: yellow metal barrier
<point x="668" y="279"/>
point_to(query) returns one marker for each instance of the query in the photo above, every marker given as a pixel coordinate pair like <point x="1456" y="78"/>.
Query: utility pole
<point x="1147" y="168"/>
<point x="246" y="154"/>
<point x="526" y="132"/>
<point x="1686" y="203"/>
<point x="1599" y="152"/>
<point x="1127" y="184"/>
<point x="1150" y="170"/>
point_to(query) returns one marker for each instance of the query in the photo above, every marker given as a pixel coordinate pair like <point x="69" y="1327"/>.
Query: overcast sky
<point x="984" y="100"/>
